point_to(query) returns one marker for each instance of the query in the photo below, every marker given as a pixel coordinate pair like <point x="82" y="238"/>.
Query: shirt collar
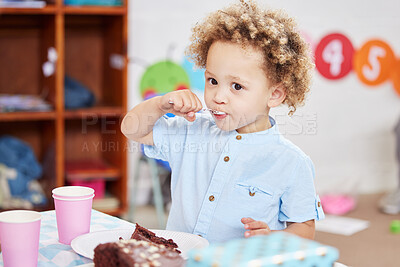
<point x="260" y="137"/>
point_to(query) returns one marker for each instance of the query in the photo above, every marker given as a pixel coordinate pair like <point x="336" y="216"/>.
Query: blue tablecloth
<point x="52" y="253"/>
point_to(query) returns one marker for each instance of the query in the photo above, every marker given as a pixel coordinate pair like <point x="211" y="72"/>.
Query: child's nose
<point x="220" y="96"/>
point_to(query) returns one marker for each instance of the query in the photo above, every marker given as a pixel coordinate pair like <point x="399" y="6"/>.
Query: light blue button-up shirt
<point x="219" y="177"/>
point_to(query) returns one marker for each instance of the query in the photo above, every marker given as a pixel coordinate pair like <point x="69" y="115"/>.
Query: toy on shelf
<point x="93" y="2"/>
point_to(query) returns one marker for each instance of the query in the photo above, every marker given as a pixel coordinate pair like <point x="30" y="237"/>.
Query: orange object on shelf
<point x="89" y="170"/>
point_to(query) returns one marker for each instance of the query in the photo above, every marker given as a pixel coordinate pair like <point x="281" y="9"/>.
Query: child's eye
<point x="237" y="86"/>
<point x="212" y="81"/>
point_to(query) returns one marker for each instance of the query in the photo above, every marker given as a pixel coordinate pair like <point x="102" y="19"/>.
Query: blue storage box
<point x="93" y="2"/>
<point x="277" y="249"/>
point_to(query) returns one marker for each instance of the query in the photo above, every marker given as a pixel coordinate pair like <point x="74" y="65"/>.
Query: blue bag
<point x="16" y="154"/>
<point x="77" y="95"/>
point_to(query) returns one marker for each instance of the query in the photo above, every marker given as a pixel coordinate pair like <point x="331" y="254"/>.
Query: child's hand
<point x="255" y="227"/>
<point x="185" y="104"/>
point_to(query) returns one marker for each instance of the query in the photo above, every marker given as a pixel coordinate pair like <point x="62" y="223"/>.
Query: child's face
<point x="237" y="85"/>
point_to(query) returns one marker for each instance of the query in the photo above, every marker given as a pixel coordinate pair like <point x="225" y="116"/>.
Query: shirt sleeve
<point x="300" y="203"/>
<point x="168" y="135"/>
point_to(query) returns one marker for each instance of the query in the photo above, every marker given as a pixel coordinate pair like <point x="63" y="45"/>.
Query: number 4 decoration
<point x="334" y="56"/>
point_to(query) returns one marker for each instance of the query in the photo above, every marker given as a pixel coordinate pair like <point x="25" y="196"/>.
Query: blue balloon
<point x="196" y="76"/>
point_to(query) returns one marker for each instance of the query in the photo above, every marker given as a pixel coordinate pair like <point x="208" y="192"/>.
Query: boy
<point x="233" y="174"/>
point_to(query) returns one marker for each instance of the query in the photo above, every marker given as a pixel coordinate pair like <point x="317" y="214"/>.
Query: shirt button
<point x="200" y="235"/>
<point x="319" y="204"/>
<point x="211" y="198"/>
<point x="226" y="159"/>
<point x="238" y="137"/>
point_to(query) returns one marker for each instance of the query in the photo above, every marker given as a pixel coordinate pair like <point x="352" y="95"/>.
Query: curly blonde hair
<point x="287" y="58"/>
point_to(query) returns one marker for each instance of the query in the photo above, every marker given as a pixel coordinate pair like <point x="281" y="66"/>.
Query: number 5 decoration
<point x="374" y="62"/>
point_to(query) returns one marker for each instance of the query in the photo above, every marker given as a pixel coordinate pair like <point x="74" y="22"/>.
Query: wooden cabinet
<point x="91" y="46"/>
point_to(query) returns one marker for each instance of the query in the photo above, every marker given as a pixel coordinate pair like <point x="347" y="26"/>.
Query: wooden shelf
<point x="94" y="10"/>
<point x="73" y="10"/>
<point x="49" y="9"/>
<point x="27" y="116"/>
<point x="94" y="111"/>
<point x="84" y="37"/>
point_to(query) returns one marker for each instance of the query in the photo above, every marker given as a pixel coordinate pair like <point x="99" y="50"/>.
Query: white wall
<point x="346" y="127"/>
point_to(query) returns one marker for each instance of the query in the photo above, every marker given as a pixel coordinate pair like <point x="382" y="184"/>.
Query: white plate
<point x="85" y="244"/>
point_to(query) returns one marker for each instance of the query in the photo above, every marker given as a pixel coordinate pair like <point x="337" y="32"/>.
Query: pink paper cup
<point x="72" y="192"/>
<point x="19" y="237"/>
<point x="73" y="217"/>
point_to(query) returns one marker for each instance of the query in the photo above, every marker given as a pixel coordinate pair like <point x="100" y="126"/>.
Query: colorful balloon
<point x="395" y="77"/>
<point x="334" y="56"/>
<point x="163" y="77"/>
<point x="196" y="76"/>
<point x="373" y="62"/>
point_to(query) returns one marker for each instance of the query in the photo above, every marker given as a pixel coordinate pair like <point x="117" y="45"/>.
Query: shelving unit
<point x="85" y="38"/>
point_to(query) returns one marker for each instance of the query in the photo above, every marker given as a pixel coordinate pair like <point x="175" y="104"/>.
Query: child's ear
<point x="278" y="95"/>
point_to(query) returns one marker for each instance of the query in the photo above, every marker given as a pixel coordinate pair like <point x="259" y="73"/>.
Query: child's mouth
<point x="218" y="114"/>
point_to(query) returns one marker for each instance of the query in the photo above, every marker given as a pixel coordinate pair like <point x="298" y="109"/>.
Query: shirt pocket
<point x="254" y="196"/>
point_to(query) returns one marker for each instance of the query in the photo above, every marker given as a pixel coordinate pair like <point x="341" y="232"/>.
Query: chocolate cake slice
<point x="135" y="253"/>
<point x="142" y="233"/>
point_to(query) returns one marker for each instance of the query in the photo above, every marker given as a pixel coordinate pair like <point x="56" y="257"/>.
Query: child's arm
<point x="304" y="229"/>
<point x="138" y="123"/>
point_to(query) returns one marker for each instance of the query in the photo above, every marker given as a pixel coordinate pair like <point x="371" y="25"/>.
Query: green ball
<point x="395" y="227"/>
